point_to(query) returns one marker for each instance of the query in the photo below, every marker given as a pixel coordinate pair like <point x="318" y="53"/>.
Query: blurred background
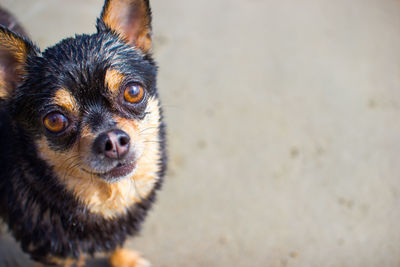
<point x="283" y="126"/>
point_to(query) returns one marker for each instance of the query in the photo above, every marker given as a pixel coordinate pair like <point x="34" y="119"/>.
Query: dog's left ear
<point x="14" y="52"/>
<point x="131" y="19"/>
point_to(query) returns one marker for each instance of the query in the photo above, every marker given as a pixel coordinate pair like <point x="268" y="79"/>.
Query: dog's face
<point x="90" y="100"/>
<point x="90" y="103"/>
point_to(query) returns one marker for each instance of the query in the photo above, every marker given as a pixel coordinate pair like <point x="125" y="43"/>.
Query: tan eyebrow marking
<point x="113" y="80"/>
<point x="66" y="100"/>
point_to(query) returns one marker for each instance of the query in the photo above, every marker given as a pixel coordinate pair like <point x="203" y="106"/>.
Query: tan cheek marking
<point x="60" y="161"/>
<point x="146" y="175"/>
<point x="66" y="100"/>
<point x="113" y="80"/>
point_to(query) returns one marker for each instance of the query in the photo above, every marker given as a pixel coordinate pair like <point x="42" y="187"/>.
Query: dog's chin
<point x="118" y="173"/>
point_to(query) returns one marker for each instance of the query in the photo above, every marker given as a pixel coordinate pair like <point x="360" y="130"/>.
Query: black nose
<point x="113" y="144"/>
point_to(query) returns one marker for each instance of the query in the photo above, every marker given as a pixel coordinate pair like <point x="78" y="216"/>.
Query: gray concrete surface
<point x="283" y="124"/>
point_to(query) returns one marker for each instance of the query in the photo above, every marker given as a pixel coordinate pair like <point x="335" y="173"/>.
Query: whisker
<point x="71" y="168"/>
<point x="68" y="165"/>
<point x="149" y="128"/>
<point x="153" y="141"/>
<point x="164" y="106"/>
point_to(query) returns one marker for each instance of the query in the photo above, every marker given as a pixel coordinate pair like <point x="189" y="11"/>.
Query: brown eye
<point x="134" y="93"/>
<point x="55" y="122"/>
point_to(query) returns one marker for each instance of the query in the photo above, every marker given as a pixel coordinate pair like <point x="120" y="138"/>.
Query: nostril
<point x="123" y="140"/>
<point x="108" y="146"/>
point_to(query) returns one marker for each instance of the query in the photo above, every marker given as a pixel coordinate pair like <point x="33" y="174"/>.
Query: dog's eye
<point x="55" y="122"/>
<point x="133" y="93"/>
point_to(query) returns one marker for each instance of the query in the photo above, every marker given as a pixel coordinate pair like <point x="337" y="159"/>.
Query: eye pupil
<point x="134" y="91"/>
<point x="54" y="119"/>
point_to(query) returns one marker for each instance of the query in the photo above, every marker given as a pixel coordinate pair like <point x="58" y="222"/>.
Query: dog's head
<point x="90" y="103"/>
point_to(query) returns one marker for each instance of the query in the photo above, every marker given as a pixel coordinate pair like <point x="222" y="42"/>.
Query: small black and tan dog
<point x="81" y="136"/>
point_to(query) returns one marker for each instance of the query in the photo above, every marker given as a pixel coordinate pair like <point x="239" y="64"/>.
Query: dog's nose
<point x="113" y="144"/>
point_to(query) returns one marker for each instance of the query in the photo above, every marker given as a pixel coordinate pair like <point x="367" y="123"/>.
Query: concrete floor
<point x="283" y="124"/>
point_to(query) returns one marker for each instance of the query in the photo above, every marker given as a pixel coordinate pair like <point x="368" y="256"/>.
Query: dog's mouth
<point x="117" y="173"/>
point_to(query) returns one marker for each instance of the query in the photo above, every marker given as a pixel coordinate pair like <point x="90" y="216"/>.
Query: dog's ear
<point x="131" y="19"/>
<point x="14" y="51"/>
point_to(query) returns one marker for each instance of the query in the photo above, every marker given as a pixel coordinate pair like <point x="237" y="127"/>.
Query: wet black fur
<point x="42" y="215"/>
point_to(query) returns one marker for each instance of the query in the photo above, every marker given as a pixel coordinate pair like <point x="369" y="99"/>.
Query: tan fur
<point x="68" y="262"/>
<point x="15" y="50"/>
<point x="3" y="85"/>
<point x="127" y="258"/>
<point x="15" y="46"/>
<point x="113" y="80"/>
<point x="103" y="198"/>
<point x="136" y="31"/>
<point x="66" y="100"/>
<point x="60" y="161"/>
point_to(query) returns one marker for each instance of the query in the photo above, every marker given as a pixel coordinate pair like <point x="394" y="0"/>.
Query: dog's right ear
<point x="130" y="19"/>
<point x="14" y="51"/>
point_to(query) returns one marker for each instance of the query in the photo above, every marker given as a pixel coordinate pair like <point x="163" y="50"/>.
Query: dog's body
<point x="82" y="137"/>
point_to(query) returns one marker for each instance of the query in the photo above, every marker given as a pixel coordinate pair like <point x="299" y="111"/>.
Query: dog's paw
<point x="128" y="258"/>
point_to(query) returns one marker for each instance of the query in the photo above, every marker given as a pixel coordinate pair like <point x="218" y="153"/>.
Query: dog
<point x="82" y="137"/>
